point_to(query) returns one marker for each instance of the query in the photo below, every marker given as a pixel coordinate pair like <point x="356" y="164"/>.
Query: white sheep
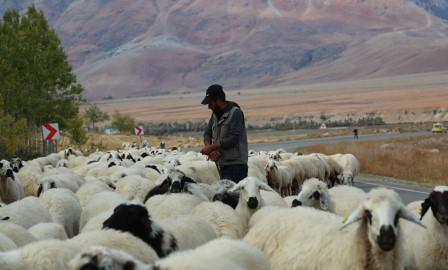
<point x="6" y="244"/>
<point x="346" y="199"/>
<point x="428" y="249"/>
<point x="99" y="203"/>
<point x="30" y="175"/>
<point x="350" y="167"/>
<point x="26" y="212"/>
<point x="134" y="187"/>
<point x="10" y="185"/>
<point x="200" y="171"/>
<point x="225" y="221"/>
<point x="189" y="231"/>
<point x="69" y="181"/>
<point x="314" y="193"/>
<point x="281" y="177"/>
<point x="19" y="235"/>
<point x="46" y="231"/>
<point x="306" y="238"/>
<point x="174" y="204"/>
<point x="313" y="166"/>
<point x="219" y="254"/>
<point x="90" y="189"/>
<point x="64" y="208"/>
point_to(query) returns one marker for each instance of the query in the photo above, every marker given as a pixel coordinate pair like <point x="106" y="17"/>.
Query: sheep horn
<point x="356" y="216"/>
<point x="408" y="215"/>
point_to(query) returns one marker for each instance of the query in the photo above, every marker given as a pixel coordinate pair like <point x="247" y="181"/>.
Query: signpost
<point x="139" y="131"/>
<point x="50" y="133"/>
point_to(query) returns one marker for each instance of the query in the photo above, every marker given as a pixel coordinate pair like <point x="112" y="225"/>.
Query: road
<point x="293" y="145"/>
<point x="408" y="191"/>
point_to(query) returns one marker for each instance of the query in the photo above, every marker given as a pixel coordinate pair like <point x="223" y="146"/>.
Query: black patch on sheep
<point x="178" y="187"/>
<point x="91" y="265"/>
<point x="160" y="189"/>
<point x="296" y="203"/>
<point x="438" y="202"/>
<point x="129" y="265"/>
<point x="136" y="220"/>
<point x="111" y="164"/>
<point x="386" y="239"/>
<point x="1" y="165"/>
<point x="52" y="185"/>
<point x="154" y="167"/>
<point x="5" y="218"/>
<point x="316" y="195"/>
<point x="227" y="197"/>
<point x="143" y="155"/>
<point x="252" y="203"/>
<point x="129" y="157"/>
<point x="39" y="190"/>
<point x="10" y="174"/>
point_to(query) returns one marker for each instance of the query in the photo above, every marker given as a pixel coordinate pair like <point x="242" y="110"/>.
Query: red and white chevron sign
<point x="50" y="131"/>
<point x="139" y="130"/>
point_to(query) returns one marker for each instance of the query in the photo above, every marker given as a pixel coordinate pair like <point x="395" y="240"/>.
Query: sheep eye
<point x="397" y="217"/>
<point x="369" y="216"/>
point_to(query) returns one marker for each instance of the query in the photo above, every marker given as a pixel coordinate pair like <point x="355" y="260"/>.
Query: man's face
<point x="212" y="105"/>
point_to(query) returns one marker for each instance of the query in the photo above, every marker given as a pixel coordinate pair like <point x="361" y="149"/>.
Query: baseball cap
<point x="213" y="91"/>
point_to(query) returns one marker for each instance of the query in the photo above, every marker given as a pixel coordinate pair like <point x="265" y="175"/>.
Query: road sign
<point x="50" y="131"/>
<point x="323" y="126"/>
<point x="139" y="131"/>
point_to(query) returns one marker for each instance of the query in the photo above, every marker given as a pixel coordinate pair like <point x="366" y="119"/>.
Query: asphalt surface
<point x="293" y="145"/>
<point x="407" y="190"/>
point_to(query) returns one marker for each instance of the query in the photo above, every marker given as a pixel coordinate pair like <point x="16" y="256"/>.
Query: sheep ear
<point x="324" y="202"/>
<point x="4" y="218"/>
<point x="129" y="265"/>
<point x="188" y="180"/>
<point x="426" y="204"/>
<point x="39" y="190"/>
<point x="160" y="189"/>
<point x="354" y="217"/>
<point x="266" y="187"/>
<point x="408" y="215"/>
<point x="238" y="186"/>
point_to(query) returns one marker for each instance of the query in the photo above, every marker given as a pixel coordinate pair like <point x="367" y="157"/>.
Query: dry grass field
<point x="422" y="159"/>
<point x="407" y="98"/>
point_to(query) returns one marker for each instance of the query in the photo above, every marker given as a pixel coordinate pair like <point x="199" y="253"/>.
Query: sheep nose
<point x="252" y="203"/>
<point x="387" y="238"/>
<point x="89" y="266"/>
<point x="175" y="187"/>
<point x="296" y="203"/>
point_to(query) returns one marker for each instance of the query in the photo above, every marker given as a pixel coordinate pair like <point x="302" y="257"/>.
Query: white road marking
<point x="394" y="187"/>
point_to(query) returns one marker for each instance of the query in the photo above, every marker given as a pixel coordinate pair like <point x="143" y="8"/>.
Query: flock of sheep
<point x="149" y="208"/>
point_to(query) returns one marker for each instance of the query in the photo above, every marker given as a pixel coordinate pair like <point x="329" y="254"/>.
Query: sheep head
<point x="314" y="193"/>
<point x="249" y="189"/>
<point x="438" y="202"/>
<point x="381" y="212"/>
<point x="98" y="257"/>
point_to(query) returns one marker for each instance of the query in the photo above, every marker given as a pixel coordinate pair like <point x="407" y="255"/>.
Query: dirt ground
<point x="409" y="98"/>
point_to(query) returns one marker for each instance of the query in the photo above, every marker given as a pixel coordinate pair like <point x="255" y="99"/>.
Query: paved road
<point x="293" y="145"/>
<point x="408" y="191"/>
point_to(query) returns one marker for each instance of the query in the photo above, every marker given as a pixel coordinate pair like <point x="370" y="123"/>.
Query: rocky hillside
<point x="140" y="47"/>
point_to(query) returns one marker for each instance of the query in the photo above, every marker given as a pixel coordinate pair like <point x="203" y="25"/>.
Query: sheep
<point x="69" y="181"/>
<point x="174" y="204"/>
<point x="281" y="177"/>
<point x="428" y="249"/>
<point x="200" y="171"/>
<point x="26" y="212"/>
<point x="19" y="235"/>
<point x="10" y="185"/>
<point x="64" y="208"/>
<point x="135" y="220"/>
<point x="225" y="221"/>
<point x="375" y="243"/>
<point x="6" y="244"/>
<point x="16" y="164"/>
<point x="350" y="167"/>
<point x="30" y="175"/>
<point x="220" y="254"/>
<point x="315" y="194"/>
<point x="334" y="169"/>
<point x="346" y="199"/>
<point x="99" y="203"/>
<point x="56" y="254"/>
<point x="189" y="231"/>
<point x="63" y="163"/>
<point x="90" y="189"/>
<point x="312" y="166"/>
<point x="46" y="231"/>
<point x="250" y="199"/>
<point x="134" y="187"/>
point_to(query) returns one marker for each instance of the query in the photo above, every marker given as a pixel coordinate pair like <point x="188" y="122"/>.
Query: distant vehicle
<point x="438" y="128"/>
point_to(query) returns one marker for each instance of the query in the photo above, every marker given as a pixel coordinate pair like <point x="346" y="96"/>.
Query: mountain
<point x="139" y="48"/>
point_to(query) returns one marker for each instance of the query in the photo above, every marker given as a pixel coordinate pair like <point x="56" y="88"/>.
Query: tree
<point x="36" y="82"/>
<point x="13" y="133"/>
<point x="93" y="115"/>
<point x="76" y="131"/>
<point x="122" y="122"/>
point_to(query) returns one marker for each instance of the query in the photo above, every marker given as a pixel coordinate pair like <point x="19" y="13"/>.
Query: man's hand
<point x="214" y="156"/>
<point x="208" y="149"/>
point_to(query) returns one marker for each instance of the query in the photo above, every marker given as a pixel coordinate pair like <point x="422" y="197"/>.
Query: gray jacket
<point x="230" y="132"/>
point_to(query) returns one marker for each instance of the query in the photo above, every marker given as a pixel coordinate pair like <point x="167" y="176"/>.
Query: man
<point x="225" y="137"/>
<point x="355" y="133"/>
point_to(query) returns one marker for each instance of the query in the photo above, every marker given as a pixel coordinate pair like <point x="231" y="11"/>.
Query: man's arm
<point x="236" y="127"/>
<point x="208" y="132"/>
